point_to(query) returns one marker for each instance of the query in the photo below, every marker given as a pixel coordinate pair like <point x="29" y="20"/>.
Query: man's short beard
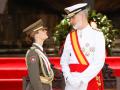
<point x="76" y="26"/>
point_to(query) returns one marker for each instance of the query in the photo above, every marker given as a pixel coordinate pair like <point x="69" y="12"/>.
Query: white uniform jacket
<point x="92" y="44"/>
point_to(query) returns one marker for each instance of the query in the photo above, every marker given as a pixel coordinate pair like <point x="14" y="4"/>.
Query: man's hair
<point x="86" y="11"/>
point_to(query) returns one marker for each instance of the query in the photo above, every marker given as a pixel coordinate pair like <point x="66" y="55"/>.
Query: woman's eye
<point x="43" y="30"/>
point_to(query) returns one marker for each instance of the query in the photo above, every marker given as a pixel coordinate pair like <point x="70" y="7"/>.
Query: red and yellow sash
<point x="83" y="63"/>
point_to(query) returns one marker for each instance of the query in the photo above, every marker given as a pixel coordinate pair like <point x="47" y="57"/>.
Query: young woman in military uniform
<point x="40" y="74"/>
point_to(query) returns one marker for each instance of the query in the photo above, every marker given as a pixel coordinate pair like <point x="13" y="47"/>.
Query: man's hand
<point x="73" y="81"/>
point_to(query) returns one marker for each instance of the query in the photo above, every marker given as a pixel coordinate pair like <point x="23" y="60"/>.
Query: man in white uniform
<point x="84" y="52"/>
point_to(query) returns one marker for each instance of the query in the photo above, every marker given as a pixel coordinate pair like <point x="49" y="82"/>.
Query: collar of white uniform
<point x="86" y="28"/>
<point x="38" y="45"/>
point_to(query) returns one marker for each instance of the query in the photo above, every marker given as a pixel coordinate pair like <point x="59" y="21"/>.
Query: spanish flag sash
<point x="83" y="63"/>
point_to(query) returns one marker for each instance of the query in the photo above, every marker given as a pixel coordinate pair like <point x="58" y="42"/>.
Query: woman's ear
<point x="35" y="36"/>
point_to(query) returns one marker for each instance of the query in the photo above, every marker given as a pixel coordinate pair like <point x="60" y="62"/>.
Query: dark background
<point x="15" y="15"/>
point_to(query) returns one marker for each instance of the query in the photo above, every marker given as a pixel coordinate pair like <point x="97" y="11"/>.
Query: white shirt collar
<point x="38" y="46"/>
<point x="84" y="29"/>
<point x="88" y="26"/>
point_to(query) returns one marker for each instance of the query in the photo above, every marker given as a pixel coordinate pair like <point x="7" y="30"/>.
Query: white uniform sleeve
<point x="65" y="57"/>
<point x="98" y="60"/>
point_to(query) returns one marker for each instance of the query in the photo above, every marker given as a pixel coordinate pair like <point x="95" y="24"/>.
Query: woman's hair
<point x="30" y="36"/>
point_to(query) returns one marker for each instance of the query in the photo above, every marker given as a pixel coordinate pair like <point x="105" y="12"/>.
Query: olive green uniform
<point x="35" y="71"/>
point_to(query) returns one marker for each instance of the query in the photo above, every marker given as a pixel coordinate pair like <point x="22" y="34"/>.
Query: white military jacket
<point x="92" y="43"/>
